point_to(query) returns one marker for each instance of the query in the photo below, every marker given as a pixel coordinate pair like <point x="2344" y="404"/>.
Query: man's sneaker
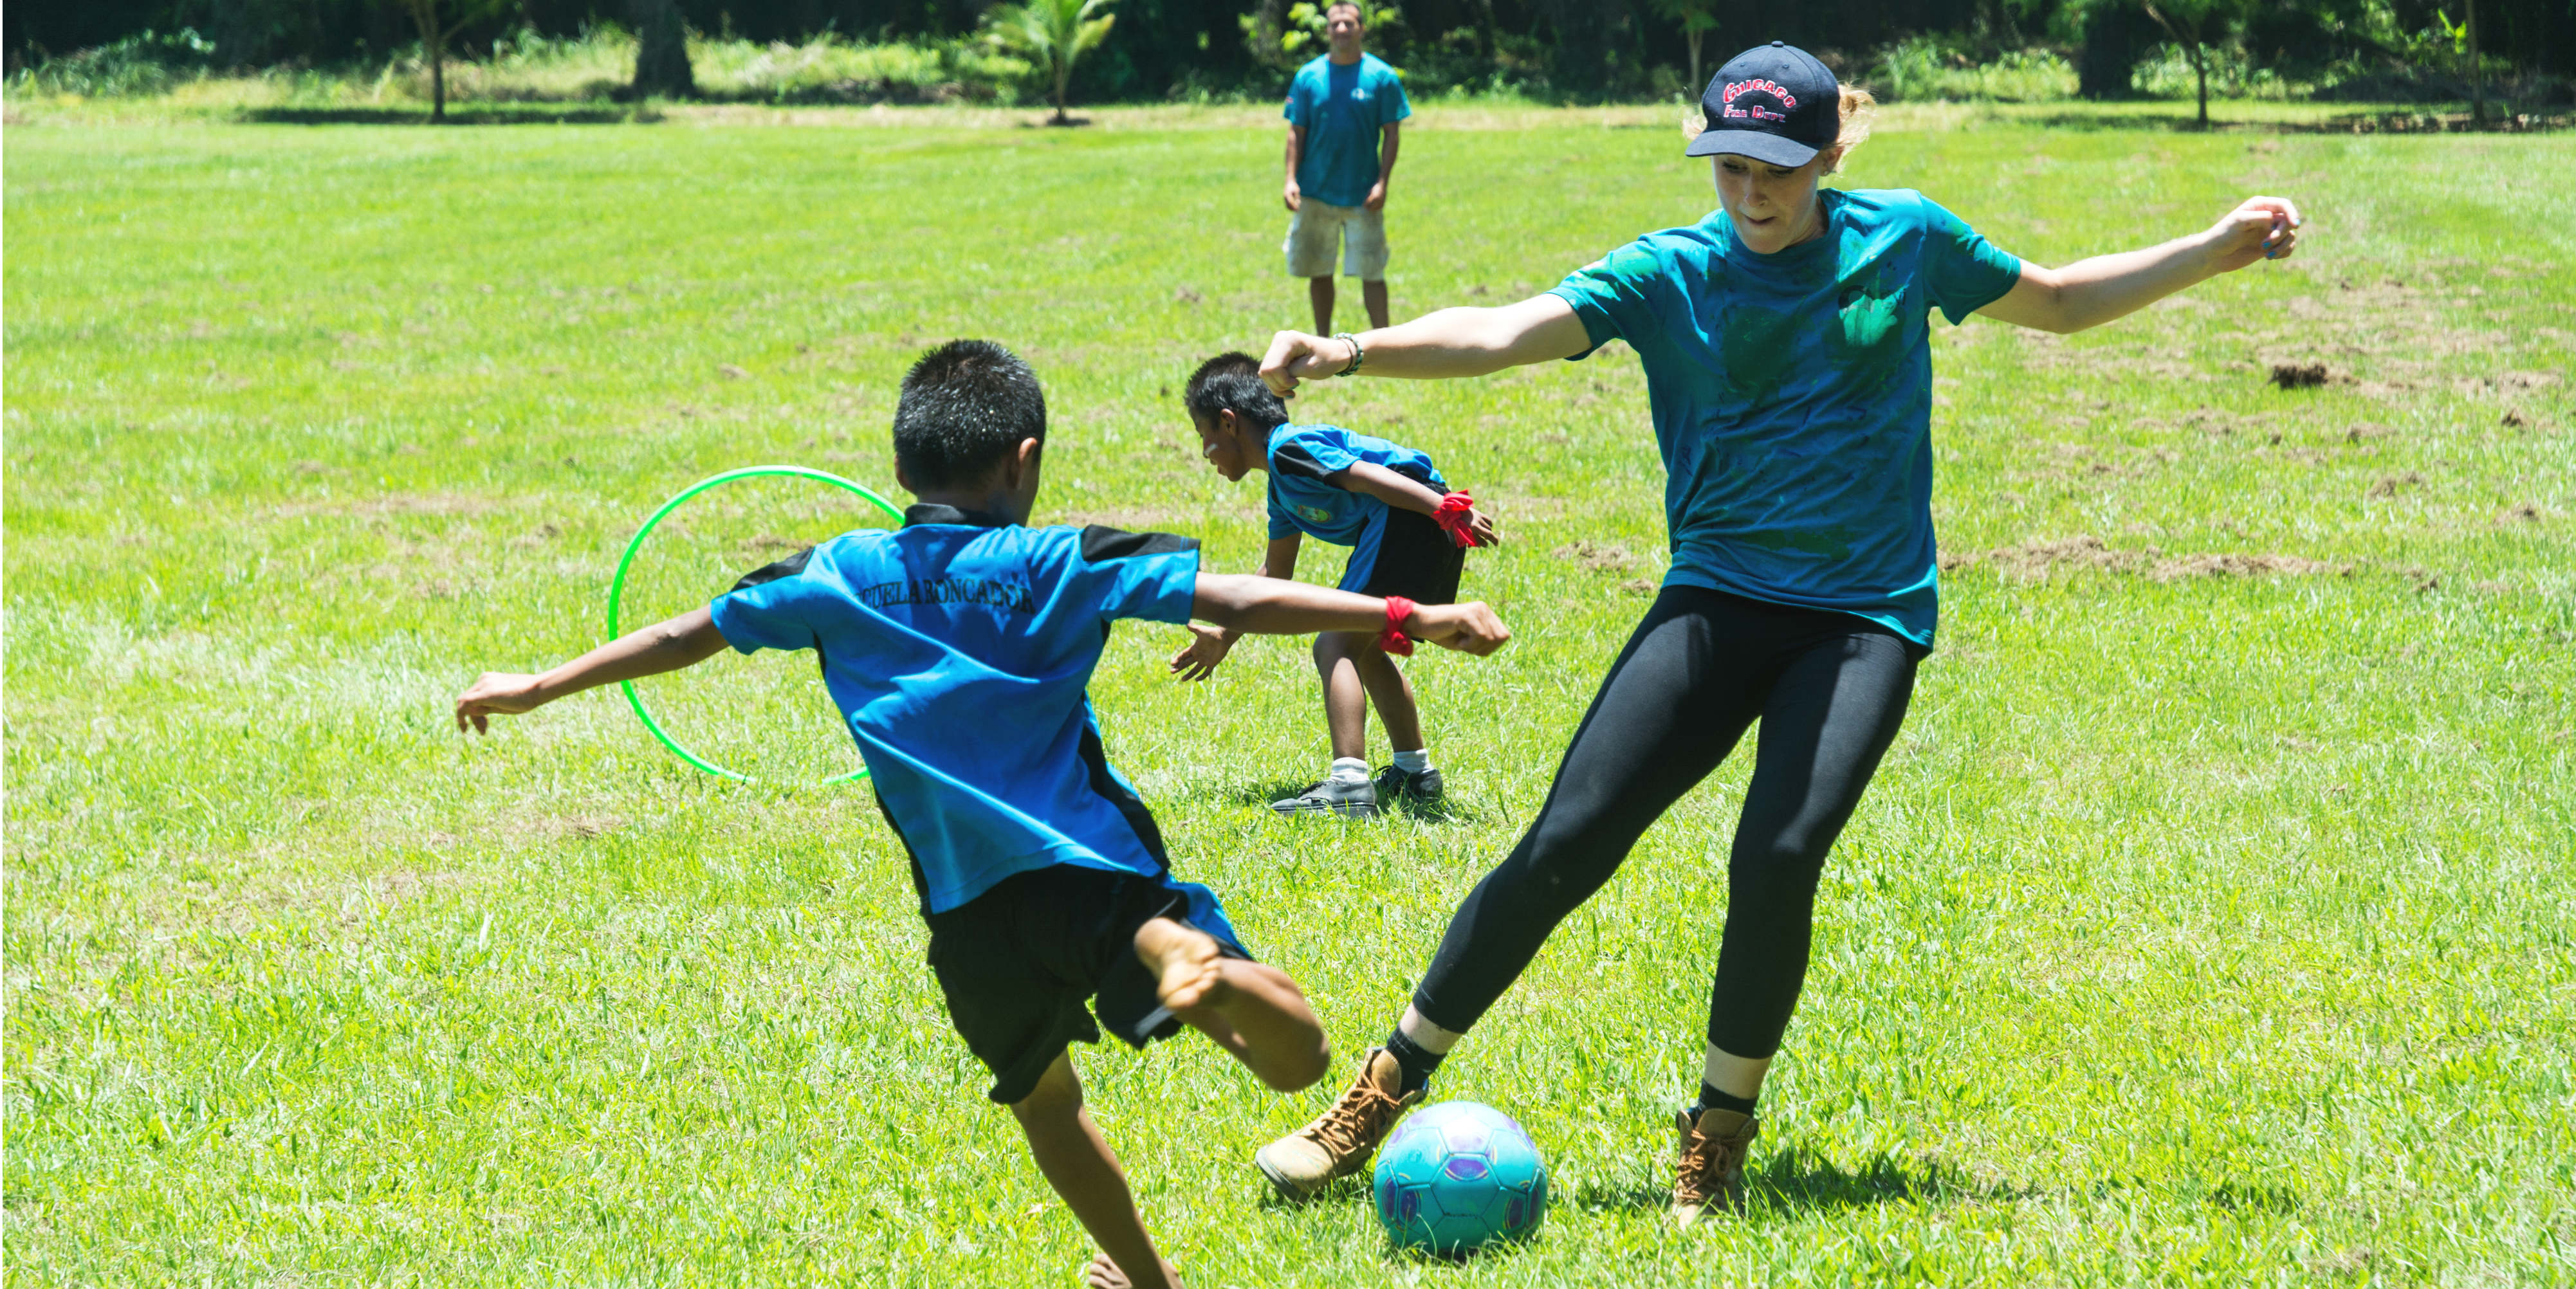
<point x="1395" y="784"/>
<point x="1349" y="800"/>
<point x="1710" y="1176"/>
<point x="1338" y="1142"/>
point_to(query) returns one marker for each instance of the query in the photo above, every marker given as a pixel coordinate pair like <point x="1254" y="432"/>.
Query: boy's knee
<point x="1056" y="1099"/>
<point x="1334" y="646"/>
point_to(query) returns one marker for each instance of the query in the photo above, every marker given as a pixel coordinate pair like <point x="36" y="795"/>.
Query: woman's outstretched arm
<point x="1451" y="342"/>
<point x="2091" y="292"/>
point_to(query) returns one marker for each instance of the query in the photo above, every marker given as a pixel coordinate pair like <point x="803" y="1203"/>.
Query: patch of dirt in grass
<point x="2521" y="512"/>
<point x="2038" y="558"/>
<point x="398" y="503"/>
<point x="2391" y="485"/>
<point x="2297" y="375"/>
<point x="2349" y="1262"/>
<point x="1596" y="557"/>
<point x="553" y="827"/>
<point x="2095" y="459"/>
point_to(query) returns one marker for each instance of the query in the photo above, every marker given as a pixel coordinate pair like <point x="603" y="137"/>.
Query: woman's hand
<point x="496" y="693"/>
<point x="1296" y="356"/>
<point x="1199" y="661"/>
<point x="2263" y="228"/>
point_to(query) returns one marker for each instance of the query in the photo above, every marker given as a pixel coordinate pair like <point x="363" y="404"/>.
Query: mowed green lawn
<point x="2212" y="922"/>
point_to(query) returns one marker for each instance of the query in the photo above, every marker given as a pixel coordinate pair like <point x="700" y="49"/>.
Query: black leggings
<point x="1830" y="689"/>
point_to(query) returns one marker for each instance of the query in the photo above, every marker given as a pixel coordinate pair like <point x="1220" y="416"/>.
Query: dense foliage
<point x="1581" y="49"/>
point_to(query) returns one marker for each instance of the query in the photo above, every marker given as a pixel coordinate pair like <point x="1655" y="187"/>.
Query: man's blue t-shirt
<point x="1342" y="108"/>
<point x="958" y="649"/>
<point x="1792" y="395"/>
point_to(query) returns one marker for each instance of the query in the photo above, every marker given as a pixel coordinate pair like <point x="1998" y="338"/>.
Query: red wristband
<point x="1393" y="639"/>
<point x="1452" y="516"/>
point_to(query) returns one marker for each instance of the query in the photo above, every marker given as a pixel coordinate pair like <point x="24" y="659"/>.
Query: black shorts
<point x="1017" y="962"/>
<point x="1413" y="558"/>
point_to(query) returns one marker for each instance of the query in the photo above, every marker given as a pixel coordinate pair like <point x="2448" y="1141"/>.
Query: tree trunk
<point x="2114" y="37"/>
<point x="1063" y="74"/>
<point x="2200" y="69"/>
<point x="2477" y="70"/>
<point x="661" y="51"/>
<point x="1697" y="85"/>
<point x="437" y="75"/>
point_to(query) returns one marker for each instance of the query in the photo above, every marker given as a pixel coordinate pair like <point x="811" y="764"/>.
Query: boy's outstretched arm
<point x="2091" y="292"/>
<point x="1209" y="645"/>
<point x="684" y="641"/>
<point x="1268" y="606"/>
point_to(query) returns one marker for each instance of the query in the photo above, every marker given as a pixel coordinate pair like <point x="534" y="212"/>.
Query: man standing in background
<point x="1338" y="107"/>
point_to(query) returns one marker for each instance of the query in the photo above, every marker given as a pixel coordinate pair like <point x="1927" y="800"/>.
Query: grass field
<point x="2213" y="921"/>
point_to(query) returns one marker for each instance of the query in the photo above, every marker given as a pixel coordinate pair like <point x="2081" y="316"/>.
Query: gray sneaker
<point x="1394" y="784"/>
<point x="1349" y="800"/>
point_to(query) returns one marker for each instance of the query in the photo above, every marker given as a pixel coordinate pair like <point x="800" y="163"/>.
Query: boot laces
<point x="1701" y="1172"/>
<point x="1358" y="1118"/>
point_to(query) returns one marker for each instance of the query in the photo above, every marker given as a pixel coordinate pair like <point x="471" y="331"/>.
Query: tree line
<point x="1570" y="49"/>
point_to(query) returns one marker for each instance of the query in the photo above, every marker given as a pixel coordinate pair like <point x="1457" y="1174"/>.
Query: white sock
<point x="1349" y="769"/>
<point x="1415" y="761"/>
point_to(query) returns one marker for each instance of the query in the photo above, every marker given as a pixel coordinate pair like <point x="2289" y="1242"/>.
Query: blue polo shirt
<point x="1792" y="396"/>
<point x="1343" y="108"/>
<point x="958" y="649"/>
<point x="1303" y="499"/>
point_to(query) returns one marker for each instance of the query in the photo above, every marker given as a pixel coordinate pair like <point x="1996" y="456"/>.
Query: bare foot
<point x="1104" y="1274"/>
<point x="1188" y="969"/>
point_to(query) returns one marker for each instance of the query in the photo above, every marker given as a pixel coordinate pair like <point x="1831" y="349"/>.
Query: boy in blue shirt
<point x="1407" y="533"/>
<point x="958" y="649"/>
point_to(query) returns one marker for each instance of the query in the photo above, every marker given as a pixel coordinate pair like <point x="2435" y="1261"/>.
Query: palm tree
<point x="1054" y="34"/>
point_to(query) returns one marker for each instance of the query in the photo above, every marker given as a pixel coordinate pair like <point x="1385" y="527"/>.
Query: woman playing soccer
<point x="1789" y="379"/>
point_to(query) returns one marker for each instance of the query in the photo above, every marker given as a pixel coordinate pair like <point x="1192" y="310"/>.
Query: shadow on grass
<point x="2397" y="122"/>
<point x="1795" y="1182"/>
<point x="1439" y="810"/>
<point x="1267" y="791"/>
<point x="1349" y="1190"/>
<point x="496" y="115"/>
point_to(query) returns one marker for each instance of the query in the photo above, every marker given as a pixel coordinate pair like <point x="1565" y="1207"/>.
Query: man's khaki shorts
<point x="1316" y="230"/>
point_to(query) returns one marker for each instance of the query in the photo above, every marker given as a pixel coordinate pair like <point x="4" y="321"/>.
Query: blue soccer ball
<point x="1458" y="1176"/>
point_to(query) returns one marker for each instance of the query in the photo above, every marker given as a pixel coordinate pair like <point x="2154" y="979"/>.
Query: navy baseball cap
<point x="1772" y="103"/>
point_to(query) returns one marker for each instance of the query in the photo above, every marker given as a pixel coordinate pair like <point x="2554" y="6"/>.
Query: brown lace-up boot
<point x="1339" y="1141"/>
<point x="1711" y="1172"/>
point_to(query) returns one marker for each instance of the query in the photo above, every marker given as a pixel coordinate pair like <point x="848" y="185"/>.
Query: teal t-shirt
<point x="1792" y="396"/>
<point x="1343" y="109"/>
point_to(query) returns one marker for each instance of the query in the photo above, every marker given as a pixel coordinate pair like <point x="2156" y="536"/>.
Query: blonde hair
<point x="1857" y="107"/>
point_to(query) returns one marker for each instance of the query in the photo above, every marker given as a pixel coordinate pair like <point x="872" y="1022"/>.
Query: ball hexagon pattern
<point x="1458" y="1176"/>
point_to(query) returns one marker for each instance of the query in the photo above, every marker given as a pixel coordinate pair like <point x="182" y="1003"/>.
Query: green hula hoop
<point x="617" y="592"/>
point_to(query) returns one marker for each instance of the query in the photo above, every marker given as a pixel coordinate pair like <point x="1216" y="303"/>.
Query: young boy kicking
<point x="1407" y="533"/>
<point x="958" y="648"/>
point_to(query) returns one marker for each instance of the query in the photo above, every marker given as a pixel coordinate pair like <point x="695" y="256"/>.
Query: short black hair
<point x="965" y="407"/>
<point x="1232" y="382"/>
